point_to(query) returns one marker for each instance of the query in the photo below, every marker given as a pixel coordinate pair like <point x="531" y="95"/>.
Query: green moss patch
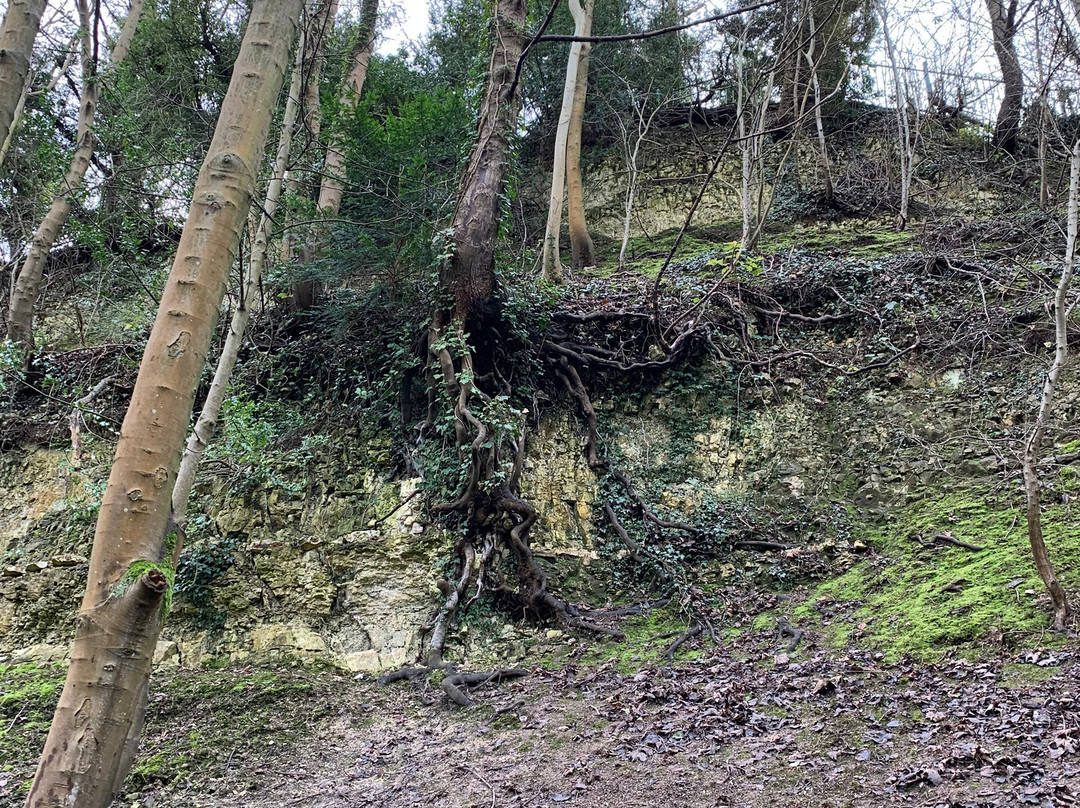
<point x="207" y="720"/>
<point x="922" y="600"/>
<point x="648" y="636"/>
<point x="139" y="568"/>
<point x="28" y="695"/>
<point x="854" y="238"/>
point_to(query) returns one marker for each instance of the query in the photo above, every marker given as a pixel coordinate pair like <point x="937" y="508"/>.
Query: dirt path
<point x="740" y="726"/>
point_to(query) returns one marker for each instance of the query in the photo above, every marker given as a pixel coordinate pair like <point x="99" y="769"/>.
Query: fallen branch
<point x="948" y="538"/>
<point x="768" y="546"/>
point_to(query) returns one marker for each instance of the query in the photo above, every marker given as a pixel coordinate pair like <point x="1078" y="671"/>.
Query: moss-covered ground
<point x="927" y="601"/>
<point x="200" y="721"/>
<point x="28" y="696"/>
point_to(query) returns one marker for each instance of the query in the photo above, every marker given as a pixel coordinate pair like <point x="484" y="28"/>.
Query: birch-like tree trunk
<point x="28" y="283"/>
<point x="631" y="149"/>
<point x="203" y="431"/>
<point x="322" y="15"/>
<point x="1031" y="449"/>
<point x="331" y="188"/>
<point x="581" y="244"/>
<point x="745" y="200"/>
<point x="135" y="549"/>
<point x="752" y="102"/>
<point x="332" y="185"/>
<point x="823" y="146"/>
<point x="905" y="141"/>
<point x="58" y="73"/>
<point x="552" y="266"/>
<point x="21" y="22"/>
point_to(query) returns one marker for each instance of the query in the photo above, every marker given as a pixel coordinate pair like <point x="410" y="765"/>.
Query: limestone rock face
<point x="330" y="558"/>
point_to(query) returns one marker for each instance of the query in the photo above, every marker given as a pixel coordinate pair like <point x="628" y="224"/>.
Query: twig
<point x="478" y="776"/>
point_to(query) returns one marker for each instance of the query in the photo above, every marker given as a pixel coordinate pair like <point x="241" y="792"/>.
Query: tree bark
<point x="322" y="15"/>
<point x="1031" y="450"/>
<point x="205" y="426"/>
<point x="581" y="244"/>
<point x="631" y="150"/>
<point x="823" y="146"/>
<point x="1003" y="30"/>
<point x="331" y="188"/>
<point x="552" y="266"/>
<point x="28" y="283"/>
<point x="469" y="274"/>
<point x="21" y="22"/>
<point x="134" y="550"/>
<point x="903" y="124"/>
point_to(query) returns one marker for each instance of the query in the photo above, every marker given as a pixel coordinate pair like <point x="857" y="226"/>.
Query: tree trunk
<point x="552" y="266"/>
<point x="1003" y="30"/>
<point x="28" y="283"/>
<point x="204" y="428"/>
<point x="1031" y="450"/>
<point x="321" y="15"/>
<point x="903" y="124"/>
<point x="581" y="244"/>
<point x="331" y="189"/>
<point x="16" y="116"/>
<point x="744" y="139"/>
<point x="469" y="275"/>
<point x="21" y="22"/>
<point x="823" y="146"/>
<point x="631" y="151"/>
<point x="134" y="553"/>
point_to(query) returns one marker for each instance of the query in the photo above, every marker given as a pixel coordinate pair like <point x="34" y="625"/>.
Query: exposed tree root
<point x="786" y="629"/>
<point x="493" y="522"/>
<point x="689" y="634"/>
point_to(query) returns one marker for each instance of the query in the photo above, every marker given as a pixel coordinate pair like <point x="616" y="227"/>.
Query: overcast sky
<point x="408" y="24"/>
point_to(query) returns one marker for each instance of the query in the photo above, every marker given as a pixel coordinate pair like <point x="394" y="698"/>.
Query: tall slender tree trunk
<point x="741" y="92"/>
<point x="581" y="244"/>
<point x="322" y="15"/>
<point x="823" y="146"/>
<point x="16" y="117"/>
<point x="469" y="275"/>
<point x="1032" y="491"/>
<point x="204" y="428"/>
<point x="21" y="22"/>
<point x="1003" y="31"/>
<point x="631" y="150"/>
<point x="552" y="266"/>
<point x="134" y="555"/>
<point x="332" y="186"/>
<point x="28" y="283"/>
<point x="903" y="124"/>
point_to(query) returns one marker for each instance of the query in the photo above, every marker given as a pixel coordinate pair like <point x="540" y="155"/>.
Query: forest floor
<point x="747" y="723"/>
<point x="743" y="725"/>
